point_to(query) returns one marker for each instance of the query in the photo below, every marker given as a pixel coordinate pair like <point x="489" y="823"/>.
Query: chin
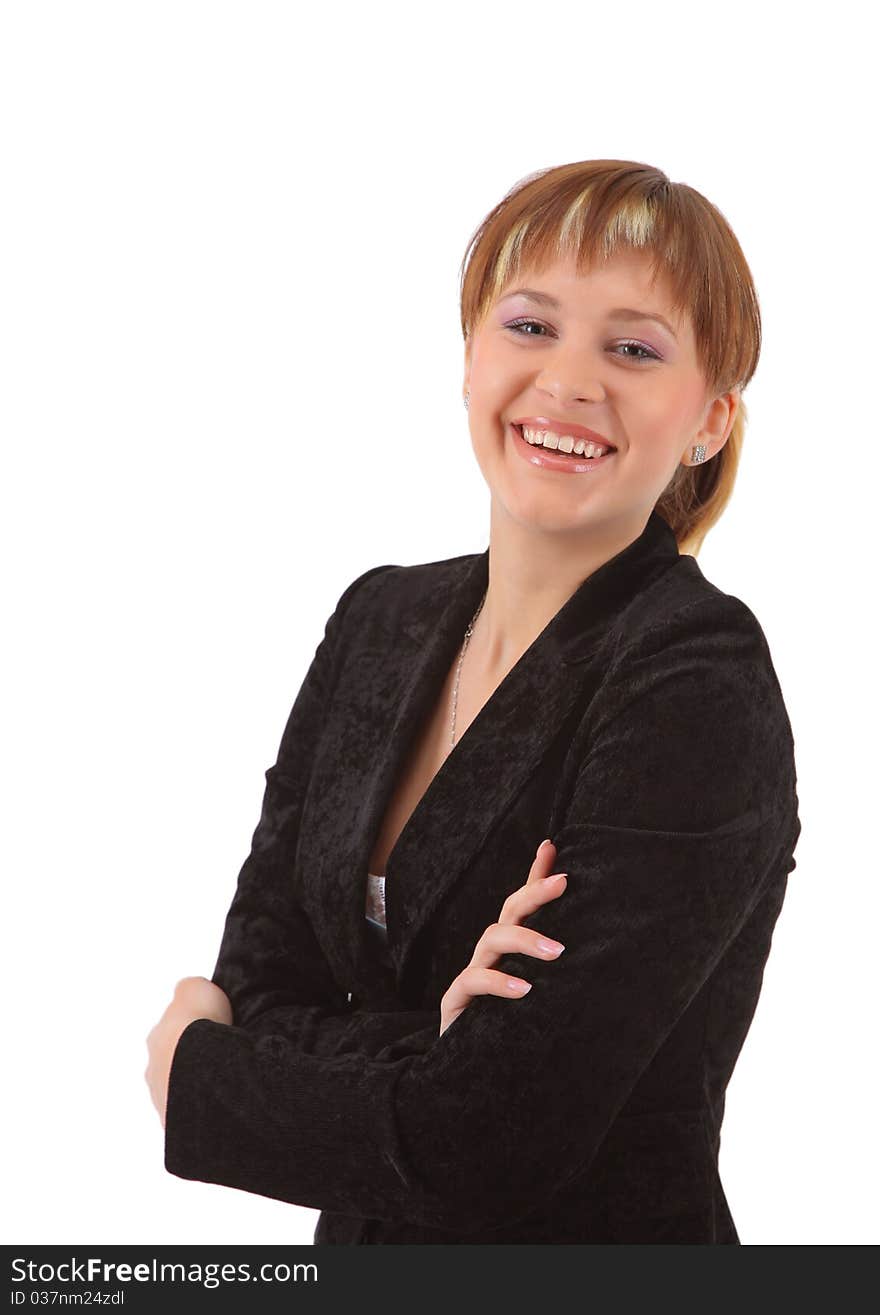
<point x="537" y="512"/>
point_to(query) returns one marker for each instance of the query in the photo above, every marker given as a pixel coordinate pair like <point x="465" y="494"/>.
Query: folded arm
<point x="681" y="818"/>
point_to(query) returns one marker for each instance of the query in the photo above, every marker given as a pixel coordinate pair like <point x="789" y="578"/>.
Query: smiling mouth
<point x="588" y="451"/>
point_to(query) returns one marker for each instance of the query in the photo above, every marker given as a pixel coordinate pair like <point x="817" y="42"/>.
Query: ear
<point x="718" y="422"/>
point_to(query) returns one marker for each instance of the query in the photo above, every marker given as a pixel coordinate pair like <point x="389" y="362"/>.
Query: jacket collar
<point x="488" y="766"/>
<point x="578" y="627"/>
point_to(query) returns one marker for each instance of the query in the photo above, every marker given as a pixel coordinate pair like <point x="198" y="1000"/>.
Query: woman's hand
<point x="194" y="997"/>
<point x="506" y="936"/>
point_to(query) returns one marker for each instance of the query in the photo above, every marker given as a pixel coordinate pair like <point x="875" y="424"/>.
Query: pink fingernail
<point x="555" y="876"/>
<point x="543" y="844"/>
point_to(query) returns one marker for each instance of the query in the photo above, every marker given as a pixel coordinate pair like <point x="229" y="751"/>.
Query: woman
<point x="441" y="1074"/>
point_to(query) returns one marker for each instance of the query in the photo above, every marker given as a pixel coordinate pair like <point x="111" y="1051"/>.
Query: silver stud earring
<point x="698" y="452"/>
<point x="467" y="399"/>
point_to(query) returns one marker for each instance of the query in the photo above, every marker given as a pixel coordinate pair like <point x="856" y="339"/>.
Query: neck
<point x="532" y="574"/>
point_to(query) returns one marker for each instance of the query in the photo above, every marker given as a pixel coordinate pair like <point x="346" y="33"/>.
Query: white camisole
<point x="375" y="909"/>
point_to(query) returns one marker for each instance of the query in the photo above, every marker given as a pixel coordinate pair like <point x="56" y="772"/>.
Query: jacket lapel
<point x="491" y="761"/>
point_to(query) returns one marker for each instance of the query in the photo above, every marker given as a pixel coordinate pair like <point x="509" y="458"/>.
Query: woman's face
<point x="583" y="360"/>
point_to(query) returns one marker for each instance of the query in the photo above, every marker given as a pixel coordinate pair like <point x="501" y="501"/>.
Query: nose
<point x="569" y="378"/>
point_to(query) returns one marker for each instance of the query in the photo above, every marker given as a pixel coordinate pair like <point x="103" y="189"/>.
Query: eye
<point x="518" y="324"/>
<point x="648" y="354"/>
<point x="515" y="327"/>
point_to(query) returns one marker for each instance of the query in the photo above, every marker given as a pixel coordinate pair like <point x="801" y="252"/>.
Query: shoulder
<point x="393" y="593"/>
<point x="683" y="613"/>
<point x="688" y="679"/>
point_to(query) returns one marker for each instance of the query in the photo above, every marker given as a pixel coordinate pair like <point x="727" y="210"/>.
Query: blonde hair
<point x="593" y="208"/>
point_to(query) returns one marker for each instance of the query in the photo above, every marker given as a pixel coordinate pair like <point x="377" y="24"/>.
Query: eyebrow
<point x="620" y="313"/>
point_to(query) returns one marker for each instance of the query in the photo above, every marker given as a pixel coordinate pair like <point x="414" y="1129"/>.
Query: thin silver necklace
<point x="464" y="648"/>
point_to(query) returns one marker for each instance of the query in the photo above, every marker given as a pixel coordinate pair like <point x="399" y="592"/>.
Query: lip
<point x="561" y="427"/>
<point x="550" y="460"/>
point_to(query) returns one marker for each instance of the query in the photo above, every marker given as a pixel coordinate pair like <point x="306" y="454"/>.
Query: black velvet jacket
<point x="645" y="732"/>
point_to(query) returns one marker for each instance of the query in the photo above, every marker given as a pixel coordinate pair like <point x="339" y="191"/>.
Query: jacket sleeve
<point x="681" y="816"/>
<point x="269" y="962"/>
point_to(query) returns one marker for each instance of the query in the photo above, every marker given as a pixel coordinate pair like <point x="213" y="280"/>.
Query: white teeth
<point x="563" y="442"/>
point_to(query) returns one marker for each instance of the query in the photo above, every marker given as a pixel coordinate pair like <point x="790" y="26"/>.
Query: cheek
<point x="488" y="433"/>
<point x="492" y="448"/>
<point x="662" y="427"/>
<point x="485" y="444"/>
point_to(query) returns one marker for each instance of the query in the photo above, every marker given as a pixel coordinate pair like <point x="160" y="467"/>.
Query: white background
<point x="231" y="377"/>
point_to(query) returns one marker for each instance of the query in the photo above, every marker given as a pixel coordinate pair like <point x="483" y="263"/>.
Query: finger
<point x="482" y="981"/>
<point x="502" y="939"/>
<point x="542" y="864"/>
<point x="542" y="867"/>
<point x="463" y="991"/>
<point x="532" y="896"/>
